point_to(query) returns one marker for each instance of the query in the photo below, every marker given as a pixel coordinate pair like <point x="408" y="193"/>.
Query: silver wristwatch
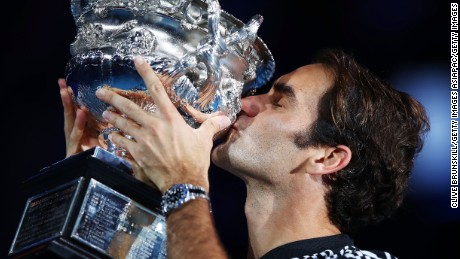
<point x="179" y="194"/>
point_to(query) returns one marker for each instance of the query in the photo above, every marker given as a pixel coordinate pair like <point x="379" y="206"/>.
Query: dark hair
<point x="383" y="127"/>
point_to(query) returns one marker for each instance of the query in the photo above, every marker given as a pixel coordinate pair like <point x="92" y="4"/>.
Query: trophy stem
<point x="113" y="154"/>
<point x="111" y="147"/>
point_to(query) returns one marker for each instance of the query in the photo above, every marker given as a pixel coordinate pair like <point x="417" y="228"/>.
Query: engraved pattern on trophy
<point x="117" y="226"/>
<point x="45" y="216"/>
<point x="206" y="57"/>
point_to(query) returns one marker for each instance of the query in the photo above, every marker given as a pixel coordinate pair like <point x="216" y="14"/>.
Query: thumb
<point x="214" y="125"/>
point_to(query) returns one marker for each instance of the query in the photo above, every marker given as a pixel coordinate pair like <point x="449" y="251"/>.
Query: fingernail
<point x="138" y="60"/>
<point x="100" y="92"/>
<point x="224" y="122"/>
<point x="106" y="115"/>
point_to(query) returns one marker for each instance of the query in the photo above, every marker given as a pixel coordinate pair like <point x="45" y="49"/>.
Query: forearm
<point x="191" y="232"/>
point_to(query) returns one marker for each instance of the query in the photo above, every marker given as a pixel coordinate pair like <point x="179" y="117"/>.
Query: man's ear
<point x="329" y="160"/>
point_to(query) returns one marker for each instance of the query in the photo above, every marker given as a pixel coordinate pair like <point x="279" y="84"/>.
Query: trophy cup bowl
<point x="87" y="206"/>
<point x="208" y="57"/>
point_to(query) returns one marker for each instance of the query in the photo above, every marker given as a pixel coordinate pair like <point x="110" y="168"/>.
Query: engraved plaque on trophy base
<point x="82" y="207"/>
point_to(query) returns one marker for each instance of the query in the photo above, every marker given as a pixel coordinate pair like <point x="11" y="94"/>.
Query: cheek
<point x="270" y="135"/>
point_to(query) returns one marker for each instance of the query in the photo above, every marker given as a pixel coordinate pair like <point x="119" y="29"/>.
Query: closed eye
<point x="276" y="101"/>
<point x="276" y="104"/>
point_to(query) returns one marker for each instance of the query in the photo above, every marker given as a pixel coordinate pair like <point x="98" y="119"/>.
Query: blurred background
<point x="406" y="42"/>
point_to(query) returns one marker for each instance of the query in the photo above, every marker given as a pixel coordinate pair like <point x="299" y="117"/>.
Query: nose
<point x="252" y="105"/>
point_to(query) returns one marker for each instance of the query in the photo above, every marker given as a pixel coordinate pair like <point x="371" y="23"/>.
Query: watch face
<point x="175" y="197"/>
<point x="178" y="194"/>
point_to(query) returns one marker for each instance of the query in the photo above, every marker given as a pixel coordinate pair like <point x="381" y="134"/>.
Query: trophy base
<point x="83" y="207"/>
<point x="58" y="248"/>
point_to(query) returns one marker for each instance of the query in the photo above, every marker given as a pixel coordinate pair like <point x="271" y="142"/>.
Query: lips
<point x="234" y="130"/>
<point x="242" y="122"/>
<point x="223" y="134"/>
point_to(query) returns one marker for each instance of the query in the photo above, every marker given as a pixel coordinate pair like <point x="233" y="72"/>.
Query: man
<point x="328" y="149"/>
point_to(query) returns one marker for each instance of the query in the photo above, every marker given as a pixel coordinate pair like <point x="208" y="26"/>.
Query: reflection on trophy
<point x="87" y="205"/>
<point x="207" y="57"/>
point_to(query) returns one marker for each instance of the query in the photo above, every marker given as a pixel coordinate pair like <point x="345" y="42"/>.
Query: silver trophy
<point x="207" y="58"/>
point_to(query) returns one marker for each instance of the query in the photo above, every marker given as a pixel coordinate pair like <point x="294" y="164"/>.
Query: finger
<point x="68" y="107"/>
<point x="66" y="96"/>
<point x="122" y="105"/>
<point x="199" y="116"/>
<point x="214" y="125"/>
<point x="62" y="83"/>
<point x="121" y="141"/>
<point x="80" y="120"/>
<point x="124" y="124"/>
<point x="76" y="133"/>
<point x="154" y="85"/>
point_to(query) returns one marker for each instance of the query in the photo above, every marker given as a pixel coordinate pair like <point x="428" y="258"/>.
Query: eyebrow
<point x="286" y="90"/>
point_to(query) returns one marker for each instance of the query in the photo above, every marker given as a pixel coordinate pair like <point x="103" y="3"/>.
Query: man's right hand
<point x="78" y="136"/>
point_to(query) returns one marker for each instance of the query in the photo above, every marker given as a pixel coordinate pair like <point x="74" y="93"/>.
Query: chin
<point x="220" y="156"/>
<point x="217" y="153"/>
<point x="222" y="140"/>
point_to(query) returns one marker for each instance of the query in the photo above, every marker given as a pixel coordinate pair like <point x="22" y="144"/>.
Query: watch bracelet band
<point x="194" y="192"/>
<point x="196" y="189"/>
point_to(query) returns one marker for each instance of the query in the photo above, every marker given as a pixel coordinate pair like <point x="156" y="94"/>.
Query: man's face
<point x="261" y="142"/>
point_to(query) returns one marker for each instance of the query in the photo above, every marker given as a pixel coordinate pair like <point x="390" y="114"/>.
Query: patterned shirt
<point x="330" y="247"/>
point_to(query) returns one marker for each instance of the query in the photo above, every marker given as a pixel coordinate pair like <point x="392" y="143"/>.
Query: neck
<point x="278" y="214"/>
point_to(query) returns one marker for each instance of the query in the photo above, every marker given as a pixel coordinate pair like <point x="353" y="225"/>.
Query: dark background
<point x="407" y="42"/>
